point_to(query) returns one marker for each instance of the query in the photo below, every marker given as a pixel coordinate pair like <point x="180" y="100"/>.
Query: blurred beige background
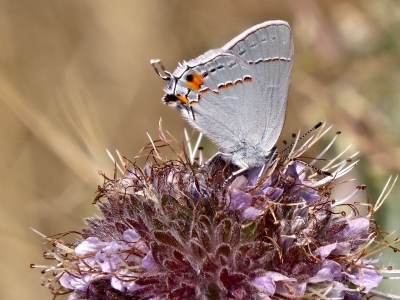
<point x="75" y="79"/>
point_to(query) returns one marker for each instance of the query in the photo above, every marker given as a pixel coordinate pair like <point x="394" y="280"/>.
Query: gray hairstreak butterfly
<point x="237" y="95"/>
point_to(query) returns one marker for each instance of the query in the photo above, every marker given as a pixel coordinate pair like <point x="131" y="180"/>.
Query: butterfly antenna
<point x="303" y="136"/>
<point x="316" y="169"/>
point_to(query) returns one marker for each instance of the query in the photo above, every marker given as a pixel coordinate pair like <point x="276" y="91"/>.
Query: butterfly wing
<point x="237" y="95"/>
<point x="268" y="49"/>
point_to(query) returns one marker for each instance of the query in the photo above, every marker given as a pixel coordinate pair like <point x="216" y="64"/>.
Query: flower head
<point x="182" y="230"/>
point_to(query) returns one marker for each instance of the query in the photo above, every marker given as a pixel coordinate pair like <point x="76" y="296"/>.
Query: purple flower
<point x="177" y="230"/>
<point x="118" y="263"/>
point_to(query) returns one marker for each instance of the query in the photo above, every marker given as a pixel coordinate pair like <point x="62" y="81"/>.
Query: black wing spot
<point x="220" y="67"/>
<point x="170" y="98"/>
<point x="213" y="70"/>
<point x="241" y="52"/>
<point x="189" y="77"/>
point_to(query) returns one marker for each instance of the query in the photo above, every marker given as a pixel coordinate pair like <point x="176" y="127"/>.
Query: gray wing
<point x="244" y="85"/>
<point x="268" y="49"/>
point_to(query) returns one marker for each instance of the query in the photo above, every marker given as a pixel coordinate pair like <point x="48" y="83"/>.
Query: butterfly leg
<point x="218" y="154"/>
<point x="243" y="168"/>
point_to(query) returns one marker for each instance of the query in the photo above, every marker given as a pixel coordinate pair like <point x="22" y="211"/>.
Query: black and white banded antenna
<point x="295" y="141"/>
<point x="316" y="126"/>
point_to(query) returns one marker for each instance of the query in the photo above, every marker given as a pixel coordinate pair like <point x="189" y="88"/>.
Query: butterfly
<point x="237" y="95"/>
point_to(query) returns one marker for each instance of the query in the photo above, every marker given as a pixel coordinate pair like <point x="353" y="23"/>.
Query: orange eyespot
<point x="183" y="99"/>
<point x="194" y="81"/>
